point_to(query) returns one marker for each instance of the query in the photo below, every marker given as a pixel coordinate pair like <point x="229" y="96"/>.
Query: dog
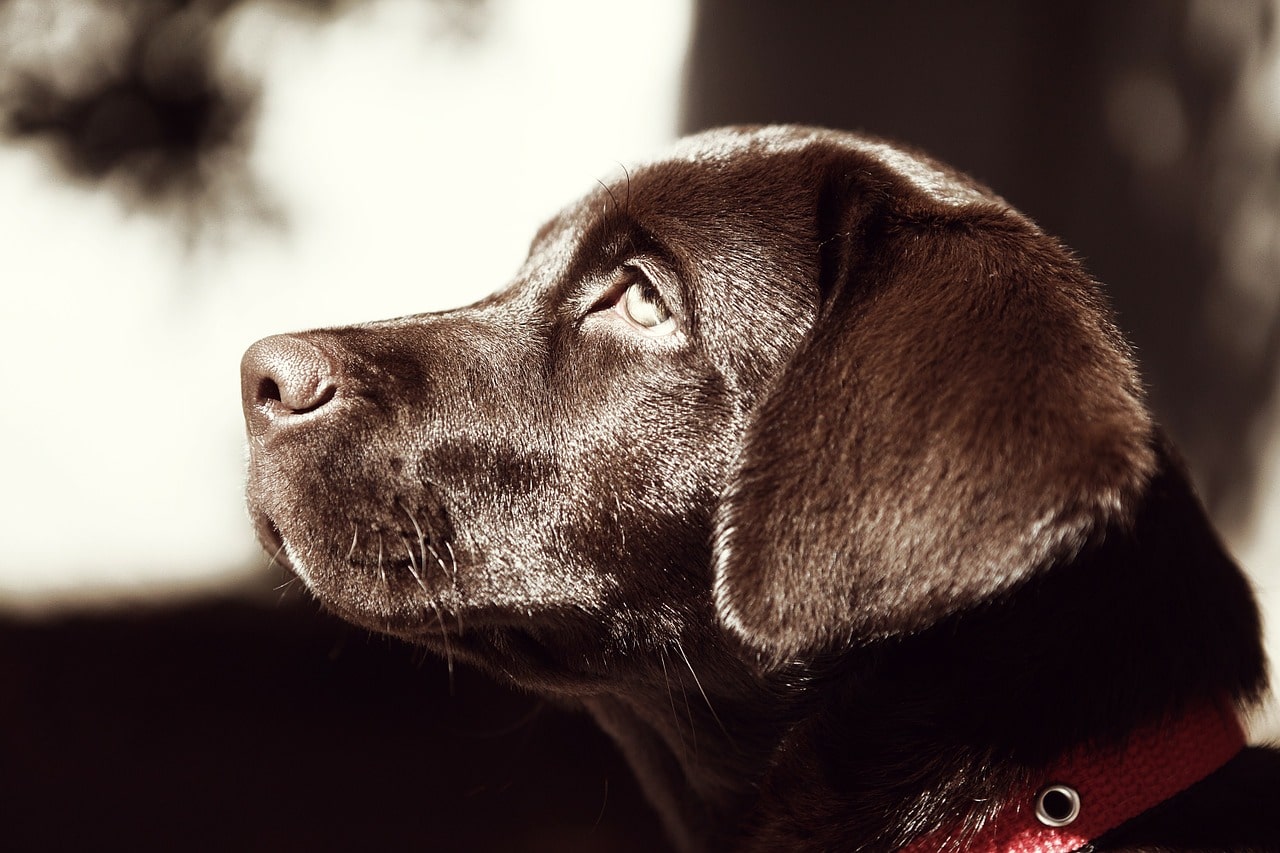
<point x="823" y="480"/>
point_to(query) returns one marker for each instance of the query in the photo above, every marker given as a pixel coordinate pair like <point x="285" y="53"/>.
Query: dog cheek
<point x="652" y="465"/>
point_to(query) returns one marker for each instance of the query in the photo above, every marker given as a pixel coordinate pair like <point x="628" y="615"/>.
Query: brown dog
<point x="823" y="480"/>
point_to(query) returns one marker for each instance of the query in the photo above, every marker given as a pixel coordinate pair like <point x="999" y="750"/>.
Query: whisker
<point x="714" y="715"/>
<point x="431" y="602"/>
<point x="675" y="717"/>
<point x="622" y="529"/>
<point x="443" y="568"/>
<point x="453" y="575"/>
<point x="613" y="197"/>
<point x="603" y="803"/>
<point x="413" y="567"/>
<point x="386" y="587"/>
<point x="274" y="561"/>
<point x="436" y="555"/>
<point x="444" y="638"/>
<point x="422" y="553"/>
<point x="453" y="559"/>
<point x="355" y="537"/>
<point x="422" y="538"/>
<point x="688" y="711"/>
<point x="416" y="528"/>
<point x="382" y="572"/>
<point x="275" y="557"/>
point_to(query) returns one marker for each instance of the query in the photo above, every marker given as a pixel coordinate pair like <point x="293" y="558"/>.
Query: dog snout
<point x="284" y="379"/>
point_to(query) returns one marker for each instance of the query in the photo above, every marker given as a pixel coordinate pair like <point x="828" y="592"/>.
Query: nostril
<point x="283" y="377"/>
<point x="268" y="389"/>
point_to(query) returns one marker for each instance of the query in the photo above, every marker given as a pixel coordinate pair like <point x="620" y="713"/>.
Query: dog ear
<point x="961" y="412"/>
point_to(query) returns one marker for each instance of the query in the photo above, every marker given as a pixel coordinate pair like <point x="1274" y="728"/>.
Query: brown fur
<point x="879" y="531"/>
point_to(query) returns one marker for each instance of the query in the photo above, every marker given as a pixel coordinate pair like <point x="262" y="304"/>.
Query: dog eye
<point x="642" y="306"/>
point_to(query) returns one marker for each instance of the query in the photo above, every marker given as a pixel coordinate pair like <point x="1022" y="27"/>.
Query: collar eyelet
<point x="1057" y="805"/>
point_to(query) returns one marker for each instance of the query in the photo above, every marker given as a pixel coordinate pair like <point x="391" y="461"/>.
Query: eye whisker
<point x="612" y="197"/>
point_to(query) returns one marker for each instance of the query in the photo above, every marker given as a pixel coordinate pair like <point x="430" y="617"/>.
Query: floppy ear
<point x="961" y="413"/>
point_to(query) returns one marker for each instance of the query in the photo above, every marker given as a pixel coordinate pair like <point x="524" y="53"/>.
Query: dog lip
<point x="272" y="541"/>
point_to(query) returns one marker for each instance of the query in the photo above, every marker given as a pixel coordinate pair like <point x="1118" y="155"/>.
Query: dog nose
<point x="283" y="378"/>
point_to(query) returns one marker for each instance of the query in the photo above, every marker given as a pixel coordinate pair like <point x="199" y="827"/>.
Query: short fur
<point x="878" y="532"/>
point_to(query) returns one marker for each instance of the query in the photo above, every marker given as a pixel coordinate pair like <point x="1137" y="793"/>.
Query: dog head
<point x="793" y="386"/>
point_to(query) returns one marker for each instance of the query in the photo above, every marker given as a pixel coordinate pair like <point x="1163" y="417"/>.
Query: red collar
<point x="1106" y="788"/>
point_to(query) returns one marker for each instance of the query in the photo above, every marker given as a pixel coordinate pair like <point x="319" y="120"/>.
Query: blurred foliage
<point x="131" y="94"/>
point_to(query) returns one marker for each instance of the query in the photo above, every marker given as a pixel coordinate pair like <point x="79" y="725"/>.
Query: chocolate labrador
<point x="823" y="480"/>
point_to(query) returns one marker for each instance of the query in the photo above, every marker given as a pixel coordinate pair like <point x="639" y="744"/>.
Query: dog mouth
<point x="400" y="582"/>
<point x="405" y="534"/>
<point x="420" y="592"/>
<point x="401" y="569"/>
<point x="273" y="542"/>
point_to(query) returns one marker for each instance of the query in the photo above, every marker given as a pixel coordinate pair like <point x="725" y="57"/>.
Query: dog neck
<point x="878" y="763"/>
<point x="938" y="731"/>
<point x="697" y="734"/>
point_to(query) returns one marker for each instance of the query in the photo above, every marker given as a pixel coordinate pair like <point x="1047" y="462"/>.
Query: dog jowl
<point x="796" y="446"/>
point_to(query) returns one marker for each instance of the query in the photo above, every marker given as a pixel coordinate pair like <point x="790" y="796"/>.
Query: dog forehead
<point x="725" y="145"/>
<point x="553" y="249"/>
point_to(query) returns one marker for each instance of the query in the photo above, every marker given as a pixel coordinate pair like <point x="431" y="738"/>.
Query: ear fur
<point x="961" y="413"/>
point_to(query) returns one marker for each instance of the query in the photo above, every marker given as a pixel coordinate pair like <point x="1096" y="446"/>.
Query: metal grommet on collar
<point x="1057" y="805"/>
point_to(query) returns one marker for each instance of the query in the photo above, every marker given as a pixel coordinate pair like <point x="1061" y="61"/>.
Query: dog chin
<point x="362" y="598"/>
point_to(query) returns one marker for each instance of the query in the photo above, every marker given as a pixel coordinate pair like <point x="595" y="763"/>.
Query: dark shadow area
<point x="1114" y="125"/>
<point x="229" y="726"/>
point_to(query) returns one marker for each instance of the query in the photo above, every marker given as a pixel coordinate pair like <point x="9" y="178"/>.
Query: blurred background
<point x="178" y="179"/>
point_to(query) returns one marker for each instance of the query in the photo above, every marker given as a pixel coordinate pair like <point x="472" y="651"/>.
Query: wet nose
<point x="283" y="378"/>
